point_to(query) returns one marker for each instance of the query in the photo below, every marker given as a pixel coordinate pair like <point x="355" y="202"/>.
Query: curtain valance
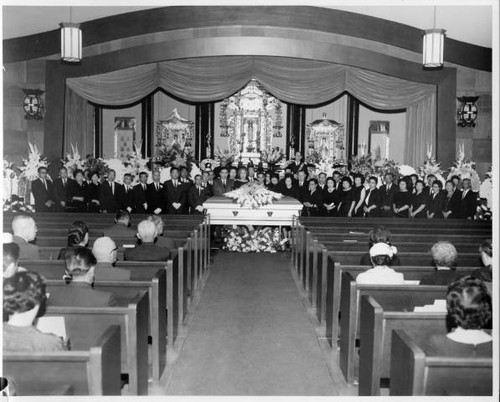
<point x="298" y="81"/>
<point x="303" y="82"/>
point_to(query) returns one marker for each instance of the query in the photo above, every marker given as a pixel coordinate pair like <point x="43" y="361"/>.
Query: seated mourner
<point x="444" y="255"/>
<point x="24" y="300"/>
<point x="79" y="277"/>
<point x="381" y="274"/>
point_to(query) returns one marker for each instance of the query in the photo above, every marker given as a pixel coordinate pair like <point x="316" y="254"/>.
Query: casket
<point x="225" y="211"/>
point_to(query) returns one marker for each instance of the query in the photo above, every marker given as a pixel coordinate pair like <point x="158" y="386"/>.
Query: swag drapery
<point x="298" y="81"/>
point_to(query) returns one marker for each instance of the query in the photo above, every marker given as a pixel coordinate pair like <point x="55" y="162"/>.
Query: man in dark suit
<point x="24" y="229"/>
<point x="140" y="194"/>
<point x="436" y="201"/>
<point x="468" y="202"/>
<point x="175" y="195"/>
<point x="104" y="250"/>
<point x="302" y="186"/>
<point x="147" y="250"/>
<point x="43" y="191"/>
<point x="430" y="181"/>
<point x="222" y="185"/>
<point x="297" y="164"/>
<point x="127" y="200"/>
<point x="121" y="228"/>
<point x="386" y="193"/>
<point x="205" y="182"/>
<point x="197" y="196"/>
<point x="110" y="194"/>
<point x="61" y="189"/>
<point x="322" y="182"/>
<point x="156" y="195"/>
<point x="80" y="268"/>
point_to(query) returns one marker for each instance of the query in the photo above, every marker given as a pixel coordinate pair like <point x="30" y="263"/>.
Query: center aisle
<point x="250" y="334"/>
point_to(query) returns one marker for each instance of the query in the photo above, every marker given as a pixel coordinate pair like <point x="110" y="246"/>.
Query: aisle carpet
<point x="250" y="334"/>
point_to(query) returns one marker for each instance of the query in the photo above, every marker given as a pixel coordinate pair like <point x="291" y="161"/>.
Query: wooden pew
<point x="60" y="242"/>
<point x="418" y="370"/>
<point x="411" y="295"/>
<point x="91" y="367"/>
<point x="378" y="319"/>
<point x="133" y="322"/>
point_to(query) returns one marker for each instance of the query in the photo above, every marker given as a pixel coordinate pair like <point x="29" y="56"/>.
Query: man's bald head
<point x="25" y="227"/>
<point x="146" y="231"/>
<point x="104" y="250"/>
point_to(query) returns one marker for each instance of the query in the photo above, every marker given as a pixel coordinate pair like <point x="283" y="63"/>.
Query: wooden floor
<point x="251" y="334"/>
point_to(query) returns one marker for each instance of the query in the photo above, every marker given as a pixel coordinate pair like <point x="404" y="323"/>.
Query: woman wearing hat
<point x="381" y="274"/>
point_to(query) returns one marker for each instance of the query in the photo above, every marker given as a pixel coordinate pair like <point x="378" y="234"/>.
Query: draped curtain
<point x="297" y="81"/>
<point x="78" y="123"/>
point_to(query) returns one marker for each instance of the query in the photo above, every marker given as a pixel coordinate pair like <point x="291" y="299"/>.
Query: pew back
<point x="91" y="370"/>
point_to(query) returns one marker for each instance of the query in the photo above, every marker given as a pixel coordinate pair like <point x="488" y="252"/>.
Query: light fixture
<point x="71" y="41"/>
<point x="433" y="46"/>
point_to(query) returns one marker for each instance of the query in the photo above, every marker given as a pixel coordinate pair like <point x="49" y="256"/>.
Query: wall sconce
<point x="71" y="41"/>
<point x="433" y="46"/>
<point x="467" y="111"/>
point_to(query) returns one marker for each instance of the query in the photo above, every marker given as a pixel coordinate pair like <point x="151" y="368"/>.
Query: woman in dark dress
<point x="77" y="193"/>
<point x="358" y="194"/>
<point x="330" y="198"/>
<point x="93" y="193"/>
<point x="452" y="200"/>
<point x="402" y="200"/>
<point x="289" y="188"/>
<point x="371" y="202"/>
<point x="419" y="202"/>
<point x="242" y="178"/>
<point x="274" y="185"/>
<point x="346" y="201"/>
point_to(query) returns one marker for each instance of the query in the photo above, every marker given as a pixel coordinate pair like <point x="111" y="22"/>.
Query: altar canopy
<point x="297" y="81"/>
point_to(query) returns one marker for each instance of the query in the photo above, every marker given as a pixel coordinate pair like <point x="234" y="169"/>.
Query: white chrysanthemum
<point x="406" y="170"/>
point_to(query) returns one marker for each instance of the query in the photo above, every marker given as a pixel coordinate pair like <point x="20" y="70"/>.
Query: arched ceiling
<point x="470" y="22"/>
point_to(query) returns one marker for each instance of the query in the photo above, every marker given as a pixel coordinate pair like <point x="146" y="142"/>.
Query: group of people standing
<point x="352" y="195"/>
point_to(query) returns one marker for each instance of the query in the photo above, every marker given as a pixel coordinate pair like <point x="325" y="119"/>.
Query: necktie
<point x="45" y="184"/>
<point x="143" y="186"/>
<point x="64" y="182"/>
<point x="224" y="183"/>
<point x="112" y="185"/>
<point x="464" y="194"/>
<point x="156" y="186"/>
<point x="175" y="183"/>
<point x="199" y="191"/>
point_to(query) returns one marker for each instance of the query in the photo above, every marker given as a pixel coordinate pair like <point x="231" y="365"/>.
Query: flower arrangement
<point x="324" y="167"/>
<point x="465" y="168"/>
<point x="16" y="204"/>
<point x="363" y="164"/>
<point x="406" y="170"/>
<point x="10" y="180"/>
<point x="96" y="165"/>
<point x="253" y="195"/>
<point x="272" y="158"/>
<point x="245" y="239"/>
<point x="431" y="166"/>
<point x="226" y="154"/>
<point x="73" y="161"/>
<point x="136" y="162"/>
<point x="486" y="189"/>
<point x="314" y="157"/>
<point x="119" y="167"/>
<point x="208" y="164"/>
<point x="384" y="166"/>
<point x="175" y="155"/>
<point x="29" y="170"/>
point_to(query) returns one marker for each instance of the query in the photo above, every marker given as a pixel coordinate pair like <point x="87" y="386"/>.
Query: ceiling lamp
<point x="71" y="41"/>
<point x="433" y="46"/>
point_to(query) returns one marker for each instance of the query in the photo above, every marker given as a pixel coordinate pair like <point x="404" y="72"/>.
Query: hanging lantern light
<point x="433" y="46"/>
<point x="71" y="41"/>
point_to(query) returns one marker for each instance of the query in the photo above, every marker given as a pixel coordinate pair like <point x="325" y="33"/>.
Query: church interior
<point x="259" y="290"/>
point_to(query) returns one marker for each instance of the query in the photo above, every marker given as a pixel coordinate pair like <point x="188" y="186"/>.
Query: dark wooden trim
<point x="97" y="131"/>
<point x="204" y="123"/>
<point x="147" y="125"/>
<point x="294" y="17"/>
<point x="352" y="125"/>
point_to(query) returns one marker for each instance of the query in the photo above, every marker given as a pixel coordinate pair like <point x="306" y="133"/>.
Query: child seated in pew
<point x="381" y="255"/>
<point x="444" y="256"/>
<point x="79" y="277"/>
<point x="468" y="319"/>
<point x="104" y="250"/>
<point x="24" y="300"/>
<point x="380" y="234"/>
<point x="78" y="235"/>
<point x="11" y="260"/>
